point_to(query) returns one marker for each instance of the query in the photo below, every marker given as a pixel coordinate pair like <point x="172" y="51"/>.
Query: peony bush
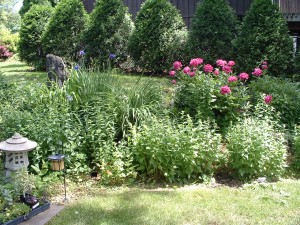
<point x="213" y="92"/>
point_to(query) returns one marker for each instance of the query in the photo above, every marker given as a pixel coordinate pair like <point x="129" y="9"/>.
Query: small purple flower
<point x="81" y="53"/>
<point x="76" y="67"/>
<point x="112" y="56"/>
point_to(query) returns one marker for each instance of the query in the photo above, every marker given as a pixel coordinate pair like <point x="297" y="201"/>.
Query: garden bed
<point x="31" y="214"/>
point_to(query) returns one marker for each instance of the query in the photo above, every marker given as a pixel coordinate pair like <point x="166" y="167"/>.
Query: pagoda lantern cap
<point x="17" y="143"/>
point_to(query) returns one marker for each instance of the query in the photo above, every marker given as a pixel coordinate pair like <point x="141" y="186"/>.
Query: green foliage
<point x="296" y="147"/>
<point x="33" y="25"/>
<point x="213" y="28"/>
<point x="9" y="18"/>
<point x="10" y="40"/>
<point x="108" y="32"/>
<point x="264" y="36"/>
<point x="27" y="4"/>
<point x="62" y="36"/>
<point x="285" y="97"/>
<point x="165" y="149"/>
<point x="256" y="146"/>
<point x="159" y="36"/>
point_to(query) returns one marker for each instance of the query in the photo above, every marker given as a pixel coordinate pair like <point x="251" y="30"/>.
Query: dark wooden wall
<point x="186" y="7"/>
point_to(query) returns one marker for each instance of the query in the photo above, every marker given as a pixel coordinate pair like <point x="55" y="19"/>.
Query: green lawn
<point x="15" y="71"/>
<point x="268" y="204"/>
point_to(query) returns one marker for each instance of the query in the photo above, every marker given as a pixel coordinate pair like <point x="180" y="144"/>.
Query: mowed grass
<point x="274" y="204"/>
<point x="18" y="72"/>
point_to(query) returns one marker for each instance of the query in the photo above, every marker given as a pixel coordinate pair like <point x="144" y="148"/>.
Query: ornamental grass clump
<point x="175" y="151"/>
<point x="256" y="146"/>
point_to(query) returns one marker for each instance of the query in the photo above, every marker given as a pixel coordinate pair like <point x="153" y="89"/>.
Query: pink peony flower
<point x="227" y="69"/>
<point x="192" y="74"/>
<point x="257" y="72"/>
<point x="244" y="76"/>
<point x="172" y="73"/>
<point x="186" y="69"/>
<point x="265" y="63"/>
<point x="232" y="79"/>
<point x="177" y="65"/>
<point x="231" y="63"/>
<point x="221" y="62"/>
<point x="268" y="99"/>
<point x="225" y="90"/>
<point x="173" y="81"/>
<point x="196" y="62"/>
<point x="208" y="68"/>
<point x="216" y="72"/>
<point x="264" y="67"/>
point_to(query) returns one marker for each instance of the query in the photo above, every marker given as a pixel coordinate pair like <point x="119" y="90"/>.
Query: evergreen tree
<point x="264" y="36"/>
<point x="32" y="27"/>
<point x="159" y="36"/>
<point x="108" y="31"/>
<point x="27" y="4"/>
<point x="62" y="36"/>
<point x="213" y="28"/>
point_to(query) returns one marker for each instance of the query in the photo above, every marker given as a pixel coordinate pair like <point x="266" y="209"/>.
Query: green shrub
<point x="108" y="32"/>
<point x="62" y="35"/>
<point x="264" y="36"/>
<point x="256" y="147"/>
<point x="164" y="149"/>
<point x="10" y="40"/>
<point x="159" y="36"/>
<point x="213" y="28"/>
<point x="285" y="97"/>
<point x="296" y="147"/>
<point x="27" y="4"/>
<point x="33" y="25"/>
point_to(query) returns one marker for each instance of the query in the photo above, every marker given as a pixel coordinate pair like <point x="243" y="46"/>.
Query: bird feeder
<point x="57" y="162"/>
<point x="16" y="149"/>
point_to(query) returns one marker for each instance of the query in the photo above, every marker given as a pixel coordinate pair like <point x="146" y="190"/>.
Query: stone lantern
<point x="16" y="149"/>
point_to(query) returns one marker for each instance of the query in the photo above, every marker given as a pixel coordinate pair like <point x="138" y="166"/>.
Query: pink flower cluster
<point x="4" y="52"/>
<point x="226" y="66"/>
<point x="268" y="99"/>
<point x="225" y="90"/>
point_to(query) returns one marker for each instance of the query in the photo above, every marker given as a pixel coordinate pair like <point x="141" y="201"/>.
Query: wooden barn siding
<point x="290" y="6"/>
<point x="188" y="7"/>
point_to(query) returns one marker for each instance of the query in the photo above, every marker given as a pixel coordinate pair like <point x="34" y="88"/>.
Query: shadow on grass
<point x="125" y="208"/>
<point x="12" y="66"/>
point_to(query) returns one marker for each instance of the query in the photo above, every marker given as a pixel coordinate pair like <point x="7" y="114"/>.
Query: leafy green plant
<point x="285" y="97"/>
<point x="67" y="23"/>
<point x="264" y="36"/>
<point x="33" y="25"/>
<point x="183" y="151"/>
<point x="107" y="34"/>
<point x="213" y="28"/>
<point x="296" y="147"/>
<point x="9" y="39"/>
<point x="159" y="36"/>
<point x="256" y="146"/>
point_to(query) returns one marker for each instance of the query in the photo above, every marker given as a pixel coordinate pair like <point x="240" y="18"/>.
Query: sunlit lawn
<point x="18" y="72"/>
<point x="268" y="204"/>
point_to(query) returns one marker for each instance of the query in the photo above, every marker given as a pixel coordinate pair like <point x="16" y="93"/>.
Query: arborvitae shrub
<point x="62" y="36"/>
<point x="159" y="36"/>
<point x="32" y="27"/>
<point x="27" y="4"/>
<point x="108" y="32"/>
<point x="214" y="26"/>
<point x="264" y="36"/>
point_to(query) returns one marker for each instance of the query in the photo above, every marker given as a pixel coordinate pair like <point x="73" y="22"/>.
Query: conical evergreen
<point x="159" y="36"/>
<point x="264" y="36"/>
<point x="213" y="29"/>
<point x="108" y="32"/>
